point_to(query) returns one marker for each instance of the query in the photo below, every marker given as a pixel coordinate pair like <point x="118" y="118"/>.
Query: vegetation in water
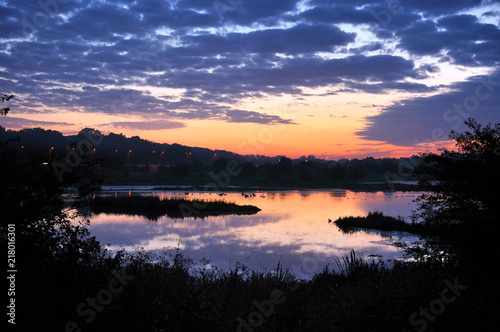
<point x="376" y="220"/>
<point x="175" y="207"/>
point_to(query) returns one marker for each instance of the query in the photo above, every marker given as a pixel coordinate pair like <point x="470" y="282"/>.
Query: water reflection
<point x="292" y="226"/>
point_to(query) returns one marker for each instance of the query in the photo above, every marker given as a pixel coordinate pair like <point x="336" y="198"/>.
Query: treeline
<point x="309" y="169"/>
<point x="288" y="169"/>
<point x="123" y="156"/>
<point x="118" y="149"/>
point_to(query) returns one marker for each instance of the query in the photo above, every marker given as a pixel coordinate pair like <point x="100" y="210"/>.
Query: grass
<point x="377" y="220"/>
<point x="363" y="296"/>
<point x="154" y="207"/>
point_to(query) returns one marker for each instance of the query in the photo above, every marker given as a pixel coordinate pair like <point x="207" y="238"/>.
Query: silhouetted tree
<point x="388" y="165"/>
<point x="94" y="133"/>
<point x="337" y="173"/>
<point x="247" y="169"/>
<point x="464" y="183"/>
<point x="271" y="171"/>
<point x="462" y="199"/>
<point x="5" y="110"/>
<point x="304" y="175"/>
<point x="356" y="173"/>
<point x="285" y="166"/>
<point x="55" y="254"/>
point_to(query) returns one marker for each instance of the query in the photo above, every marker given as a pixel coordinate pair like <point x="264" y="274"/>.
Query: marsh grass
<point x="174" y="207"/>
<point x="378" y="221"/>
<point x="170" y="292"/>
<point x="361" y="295"/>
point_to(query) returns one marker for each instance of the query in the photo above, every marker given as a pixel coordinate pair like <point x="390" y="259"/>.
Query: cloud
<point x="254" y="117"/>
<point x="291" y="74"/>
<point x="299" y="39"/>
<point x="430" y="119"/>
<point x="17" y="123"/>
<point x="113" y="57"/>
<point x="146" y="125"/>
<point x="462" y="37"/>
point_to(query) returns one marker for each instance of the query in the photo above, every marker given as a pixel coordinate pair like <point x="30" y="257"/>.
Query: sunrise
<point x="250" y="165"/>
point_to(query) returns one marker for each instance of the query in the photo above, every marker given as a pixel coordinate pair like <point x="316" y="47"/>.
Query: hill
<point x="133" y="160"/>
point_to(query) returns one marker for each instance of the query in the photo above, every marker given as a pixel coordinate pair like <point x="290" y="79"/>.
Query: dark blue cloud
<point x="431" y="119"/>
<point x="299" y="39"/>
<point x="429" y="6"/>
<point x="247" y="12"/>
<point x="462" y="37"/>
<point x="86" y="55"/>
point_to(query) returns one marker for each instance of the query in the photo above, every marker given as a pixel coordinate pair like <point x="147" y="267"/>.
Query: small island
<point x="376" y="220"/>
<point x="176" y="207"/>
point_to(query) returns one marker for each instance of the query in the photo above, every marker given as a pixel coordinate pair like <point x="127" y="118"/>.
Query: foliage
<point x="377" y="220"/>
<point x="56" y="257"/>
<point x="463" y="198"/>
<point x="337" y="173"/>
<point x="5" y="110"/>
<point x="464" y="184"/>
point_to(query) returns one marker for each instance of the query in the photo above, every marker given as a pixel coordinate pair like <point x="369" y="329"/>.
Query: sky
<point x="327" y="78"/>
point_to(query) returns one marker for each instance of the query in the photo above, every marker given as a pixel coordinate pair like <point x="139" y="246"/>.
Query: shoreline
<point x="361" y="187"/>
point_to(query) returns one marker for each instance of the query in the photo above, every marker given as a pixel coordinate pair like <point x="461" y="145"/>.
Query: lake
<point x="292" y="228"/>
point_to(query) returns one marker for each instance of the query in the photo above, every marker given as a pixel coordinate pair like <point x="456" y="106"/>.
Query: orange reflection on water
<point x="290" y="226"/>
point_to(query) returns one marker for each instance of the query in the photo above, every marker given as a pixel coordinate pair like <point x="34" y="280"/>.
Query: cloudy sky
<point x="297" y="77"/>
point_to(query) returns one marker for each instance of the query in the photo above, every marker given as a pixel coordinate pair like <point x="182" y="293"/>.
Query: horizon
<point x="293" y="77"/>
<point x="229" y="151"/>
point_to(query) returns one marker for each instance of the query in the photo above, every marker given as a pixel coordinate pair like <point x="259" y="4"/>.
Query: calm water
<point x="292" y="228"/>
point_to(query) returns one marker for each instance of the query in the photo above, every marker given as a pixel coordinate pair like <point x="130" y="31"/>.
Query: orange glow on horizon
<point x="324" y="138"/>
<point x="323" y="127"/>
